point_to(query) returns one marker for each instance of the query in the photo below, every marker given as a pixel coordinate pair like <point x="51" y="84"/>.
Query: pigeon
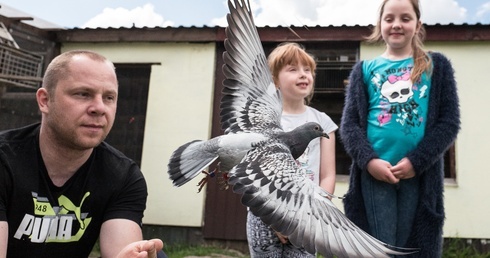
<point x="259" y="158"/>
<point x="190" y="159"/>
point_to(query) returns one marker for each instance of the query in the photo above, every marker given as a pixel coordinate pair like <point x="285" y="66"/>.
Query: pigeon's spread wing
<point x="277" y="191"/>
<point x="250" y="101"/>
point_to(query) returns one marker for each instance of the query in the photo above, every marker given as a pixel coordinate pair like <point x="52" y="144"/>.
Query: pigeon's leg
<point x="203" y="181"/>
<point x="223" y="181"/>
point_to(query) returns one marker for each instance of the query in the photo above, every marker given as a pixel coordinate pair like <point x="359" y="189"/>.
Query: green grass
<point x="453" y="248"/>
<point x="181" y="251"/>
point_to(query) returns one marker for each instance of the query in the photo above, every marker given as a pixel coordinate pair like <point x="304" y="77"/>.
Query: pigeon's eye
<point x="317" y="128"/>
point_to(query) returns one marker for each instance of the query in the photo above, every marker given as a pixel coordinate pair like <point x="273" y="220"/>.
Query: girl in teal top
<point x="398" y="107"/>
<point x="401" y="114"/>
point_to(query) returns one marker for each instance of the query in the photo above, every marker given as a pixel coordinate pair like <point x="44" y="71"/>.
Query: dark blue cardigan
<point x="443" y="124"/>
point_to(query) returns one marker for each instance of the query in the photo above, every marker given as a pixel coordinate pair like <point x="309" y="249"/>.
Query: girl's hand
<point x="403" y="169"/>
<point x="284" y="239"/>
<point x="380" y="169"/>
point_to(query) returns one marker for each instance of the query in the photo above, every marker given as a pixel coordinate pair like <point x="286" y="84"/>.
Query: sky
<point x="175" y="13"/>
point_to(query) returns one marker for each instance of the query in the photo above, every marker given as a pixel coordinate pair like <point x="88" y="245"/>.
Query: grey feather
<point x="261" y="158"/>
<point x="190" y="159"/>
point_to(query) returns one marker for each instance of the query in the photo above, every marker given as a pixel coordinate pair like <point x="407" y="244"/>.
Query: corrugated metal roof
<point x="26" y="18"/>
<point x="446" y="32"/>
<point x="451" y="32"/>
<point x="265" y="27"/>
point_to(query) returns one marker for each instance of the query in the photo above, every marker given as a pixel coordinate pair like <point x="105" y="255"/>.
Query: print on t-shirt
<point x="397" y="99"/>
<point x="53" y="223"/>
<point x="302" y="162"/>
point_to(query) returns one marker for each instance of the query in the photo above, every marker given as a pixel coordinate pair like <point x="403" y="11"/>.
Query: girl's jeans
<point x="390" y="209"/>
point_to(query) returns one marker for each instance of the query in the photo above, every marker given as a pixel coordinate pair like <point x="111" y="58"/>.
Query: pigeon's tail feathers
<point x="188" y="161"/>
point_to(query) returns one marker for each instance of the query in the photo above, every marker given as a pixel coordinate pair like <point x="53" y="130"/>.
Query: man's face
<point x="81" y="111"/>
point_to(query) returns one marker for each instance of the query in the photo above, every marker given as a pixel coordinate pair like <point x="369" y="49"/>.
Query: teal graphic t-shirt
<point x="397" y="107"/>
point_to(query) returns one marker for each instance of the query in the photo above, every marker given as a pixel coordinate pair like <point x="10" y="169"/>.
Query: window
<point x="129" y="126"/>
<point x="20" y="69"/>
<point x="334" y="64"/>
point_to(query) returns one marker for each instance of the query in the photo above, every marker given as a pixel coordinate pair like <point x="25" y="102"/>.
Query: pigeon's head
<point x="313" y="130"/>
<point x="299" y="138"/>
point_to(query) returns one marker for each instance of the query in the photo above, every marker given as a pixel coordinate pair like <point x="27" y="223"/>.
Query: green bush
<point x="457" y="248"/>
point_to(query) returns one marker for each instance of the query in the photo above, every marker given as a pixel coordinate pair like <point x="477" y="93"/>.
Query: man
<point x="61" y="186"/>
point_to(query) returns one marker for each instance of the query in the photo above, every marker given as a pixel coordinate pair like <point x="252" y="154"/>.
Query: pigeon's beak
<point x="325" y="135"/>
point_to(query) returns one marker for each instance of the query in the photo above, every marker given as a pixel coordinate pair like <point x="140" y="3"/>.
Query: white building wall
<point x="180" y="110"/>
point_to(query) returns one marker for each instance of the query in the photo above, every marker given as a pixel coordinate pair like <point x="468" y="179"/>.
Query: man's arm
<point x="121" y="238"/>
<point x="4" y="233"/>
<point x="116" y="234"/>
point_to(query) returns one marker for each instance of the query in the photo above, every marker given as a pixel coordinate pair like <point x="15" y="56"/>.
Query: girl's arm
<point x="354" y="120"/>
<point x="443" y="121"/>
<point x="327" y="163"/>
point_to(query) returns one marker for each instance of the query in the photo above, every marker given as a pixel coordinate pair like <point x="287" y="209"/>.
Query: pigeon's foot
<point x="223" y="181"/>
<point x="203" y="181"/>
<point x="331" y="196"/>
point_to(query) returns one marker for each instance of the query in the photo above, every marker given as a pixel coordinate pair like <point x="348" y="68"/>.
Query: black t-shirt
<point x="49" y="221"/>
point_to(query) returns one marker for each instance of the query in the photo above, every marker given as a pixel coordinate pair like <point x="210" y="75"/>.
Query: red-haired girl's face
<point x="295" y="82"/>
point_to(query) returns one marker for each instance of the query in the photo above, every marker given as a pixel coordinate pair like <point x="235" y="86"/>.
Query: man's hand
<point x="142" y="249"/>
<point x="4" y="230"/>
<point x="381" y="170"/>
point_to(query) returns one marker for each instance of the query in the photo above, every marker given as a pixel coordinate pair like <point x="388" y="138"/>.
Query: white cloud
<point x="120" y="17"/>
<point x="483" y="12"/>
<point x="442" y="11"/>
<point x="345" y="12"/>
<point x="317" y="12"/>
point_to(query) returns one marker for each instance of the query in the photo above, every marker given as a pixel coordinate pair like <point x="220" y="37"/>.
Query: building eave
<point x="450" y="32"/>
